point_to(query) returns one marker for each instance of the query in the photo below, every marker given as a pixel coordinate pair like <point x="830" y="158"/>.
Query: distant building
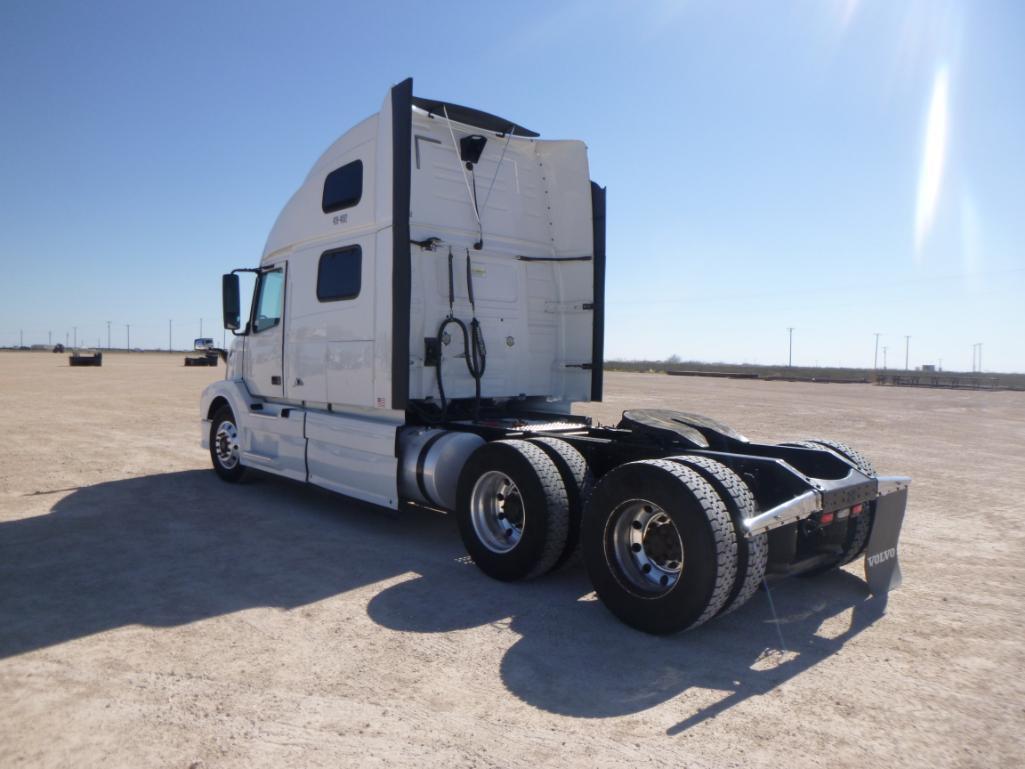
<point x="928" y="367"/>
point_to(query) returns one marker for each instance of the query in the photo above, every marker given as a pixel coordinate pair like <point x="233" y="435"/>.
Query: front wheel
<point x="224" y="446"/>
<point x="659" y="546"/>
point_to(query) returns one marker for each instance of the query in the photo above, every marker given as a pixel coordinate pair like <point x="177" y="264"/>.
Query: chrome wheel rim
<point x="226" y="445"/>
<point x="497" y="513"/>
<point x="646" y="546"/>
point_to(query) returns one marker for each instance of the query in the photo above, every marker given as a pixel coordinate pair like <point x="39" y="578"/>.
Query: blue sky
<point x="841" y="167"/>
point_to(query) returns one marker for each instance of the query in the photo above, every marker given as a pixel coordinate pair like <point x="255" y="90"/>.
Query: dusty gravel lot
<point x="152" y="616"/>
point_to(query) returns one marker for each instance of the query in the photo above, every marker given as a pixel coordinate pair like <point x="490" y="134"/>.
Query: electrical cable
<point x="469" y="192"/>
<point x="474" y="349"/>
<point x="501" y="157"/>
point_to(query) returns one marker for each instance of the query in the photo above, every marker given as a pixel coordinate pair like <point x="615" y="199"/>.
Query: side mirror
<point x="203" y="343"/>
<point x="230" y="302"/>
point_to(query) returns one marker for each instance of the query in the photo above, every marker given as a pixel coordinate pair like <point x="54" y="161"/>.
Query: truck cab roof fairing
<point x="472" y="117"/>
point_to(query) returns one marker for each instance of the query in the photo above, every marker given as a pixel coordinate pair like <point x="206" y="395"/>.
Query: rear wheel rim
<point x="497" y="512"/>
<point x="646" y="546"/>
<point x="226" y="445"/>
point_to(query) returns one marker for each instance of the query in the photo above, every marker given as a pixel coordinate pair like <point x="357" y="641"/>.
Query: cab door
<point x="262" y="369"/>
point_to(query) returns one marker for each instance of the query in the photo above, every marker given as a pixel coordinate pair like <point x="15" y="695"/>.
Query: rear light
<point x="826" y="518"/>
<point x="856" y="510"/>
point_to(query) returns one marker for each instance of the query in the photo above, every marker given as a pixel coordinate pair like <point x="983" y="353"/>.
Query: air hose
<point x="474" y="350"/>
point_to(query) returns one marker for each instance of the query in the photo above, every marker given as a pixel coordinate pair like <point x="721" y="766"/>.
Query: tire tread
<point x="557" y="502"/>
<point x="752" y="554"/>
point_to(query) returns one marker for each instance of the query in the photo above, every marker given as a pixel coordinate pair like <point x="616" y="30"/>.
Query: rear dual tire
<point x="660" y="546"/>
<point x="858" y="529"/>
<point x="752" y="552"/>
<point x="512" y="510"/>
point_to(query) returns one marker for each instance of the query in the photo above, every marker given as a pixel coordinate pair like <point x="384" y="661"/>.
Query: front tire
<point x="659" y="546"/>
<point x="224" y="446"/>
<point x="512" y="510"/>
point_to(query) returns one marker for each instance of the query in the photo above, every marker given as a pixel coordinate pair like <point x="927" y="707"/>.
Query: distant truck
<point x="209" y="356"/>
<point x="428" y="306"/>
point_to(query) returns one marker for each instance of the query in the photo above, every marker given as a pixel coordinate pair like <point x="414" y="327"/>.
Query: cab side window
<point x="343" y="187"/>
<point x="269" y="300"/>
<point x="338" y="274"/>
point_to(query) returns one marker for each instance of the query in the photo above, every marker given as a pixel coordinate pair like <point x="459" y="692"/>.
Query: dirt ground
<point x="153" y="616"/>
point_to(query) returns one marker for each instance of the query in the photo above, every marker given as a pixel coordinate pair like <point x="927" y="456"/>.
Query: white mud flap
<point x="882" y="567"/>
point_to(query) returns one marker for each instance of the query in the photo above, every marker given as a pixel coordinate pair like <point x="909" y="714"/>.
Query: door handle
<point x="275" y="380"/>
<point x="298" y="382"/>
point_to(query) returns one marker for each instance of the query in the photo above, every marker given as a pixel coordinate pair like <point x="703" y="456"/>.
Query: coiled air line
<point x="474" y="350"/>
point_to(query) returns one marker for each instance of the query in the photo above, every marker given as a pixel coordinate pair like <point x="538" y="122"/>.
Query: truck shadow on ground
<point x="576" y="659"/>
<point x="166" y="550"/>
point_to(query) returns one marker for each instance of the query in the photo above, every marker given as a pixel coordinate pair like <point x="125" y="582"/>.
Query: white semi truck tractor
<point x="429" y="305"/>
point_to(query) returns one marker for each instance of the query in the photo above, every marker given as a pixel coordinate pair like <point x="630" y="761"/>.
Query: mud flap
<point x="882" y="567"/>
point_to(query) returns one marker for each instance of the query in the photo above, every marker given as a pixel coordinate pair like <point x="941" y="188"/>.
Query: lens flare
<point x="930" y="179"/>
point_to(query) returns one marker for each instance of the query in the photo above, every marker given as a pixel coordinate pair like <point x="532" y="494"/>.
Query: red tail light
<point x="826" y="518"/>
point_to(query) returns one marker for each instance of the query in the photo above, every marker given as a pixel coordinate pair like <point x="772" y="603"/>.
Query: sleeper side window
<point x="269" y="301"/>
<point x="338" y="274"/>
<point x="343" y="187"/>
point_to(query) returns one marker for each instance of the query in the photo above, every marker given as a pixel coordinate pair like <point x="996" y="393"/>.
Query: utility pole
<point x="108" y="334"/>
<point x="790" y="356"/>
<point x="907" y="350"/>
<point x="65" y="338"/>
<point x="21" y="337"/>
<point x="980" y="357"/>
<point x="49" y="339"/>
<point x="875" y="360"/>
<point x="884" y="357"/>
<point x="76" y="335"/>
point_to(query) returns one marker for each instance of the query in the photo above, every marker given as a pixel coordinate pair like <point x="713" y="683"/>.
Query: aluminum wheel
<point x="496" y="511"/>
<point x="647" y="546"/>
<point x="226" y="444"/>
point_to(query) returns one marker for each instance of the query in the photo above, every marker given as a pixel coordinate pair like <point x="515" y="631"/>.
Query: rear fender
<point x="682" y="428"/>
